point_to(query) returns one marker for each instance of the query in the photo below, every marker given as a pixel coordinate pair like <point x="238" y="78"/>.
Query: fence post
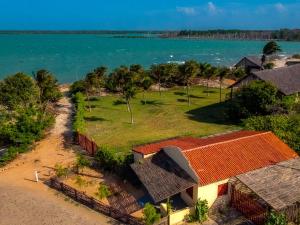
<point x="76" y="194"/>
<point x="62" y="187"/>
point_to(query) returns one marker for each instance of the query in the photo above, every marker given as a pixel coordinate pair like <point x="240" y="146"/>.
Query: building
<point x="188" y="169"/>
<point x="286" y="79"/>
<point x="250" y="63"/>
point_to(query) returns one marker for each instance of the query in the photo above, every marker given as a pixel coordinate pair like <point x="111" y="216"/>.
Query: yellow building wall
<point x="179" y="216"/>
<point x="210" y="192"/>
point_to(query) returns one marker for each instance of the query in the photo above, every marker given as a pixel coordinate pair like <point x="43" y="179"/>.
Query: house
<point x="250" y="63"/>
<point x="188" y="169"/>
<point x="286" y="79"/>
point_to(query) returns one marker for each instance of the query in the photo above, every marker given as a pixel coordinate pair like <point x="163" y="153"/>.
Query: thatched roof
<point x="286" y="79"/>
<point x="278" y="185"/>
<point x="254" y="61"/>
<point x="162" y="177"/>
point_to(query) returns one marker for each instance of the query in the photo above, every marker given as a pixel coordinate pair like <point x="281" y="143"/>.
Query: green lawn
<point x="163" y="117"/>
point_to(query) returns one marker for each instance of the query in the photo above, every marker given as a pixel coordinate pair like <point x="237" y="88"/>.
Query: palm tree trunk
<point x="130" y="110"/>
<point x="144" y="99"/>
<point x="159" y="87"/>
<point x="221" y="89"/>
<point x="207" y="93"/>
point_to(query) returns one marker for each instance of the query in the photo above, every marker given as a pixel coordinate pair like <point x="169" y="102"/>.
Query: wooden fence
<point x="88" y="145"/>
<point x="293" y="213"/>
<point x="94" y="203"/>
<point x="250" y="208"/>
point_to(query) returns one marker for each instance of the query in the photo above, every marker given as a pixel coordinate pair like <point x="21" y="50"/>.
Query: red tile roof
<point x="220" y="157"/>
<point x="185" y="143"/>
<point x="226" y="159"/>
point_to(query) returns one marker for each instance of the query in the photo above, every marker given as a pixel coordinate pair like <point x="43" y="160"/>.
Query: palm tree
<point x="188" y="71"/>
<point x="269" y="49"/>
<point x="100" y="74"/>
<point x="223" y="73"/>
<point x="145" y="82"/>
<point x="90" y="84"/>
<point x="125" y="81"/>
<point x="156" y="74"/>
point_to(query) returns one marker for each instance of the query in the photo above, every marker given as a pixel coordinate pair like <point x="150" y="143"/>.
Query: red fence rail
<point x="250" y="208"/>
<point x="88" y="145"/>
<point x="93" y="203"/>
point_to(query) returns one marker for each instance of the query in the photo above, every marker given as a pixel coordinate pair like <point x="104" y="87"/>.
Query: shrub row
<point x="117" y="163"/>
<point x="79" y="101"/>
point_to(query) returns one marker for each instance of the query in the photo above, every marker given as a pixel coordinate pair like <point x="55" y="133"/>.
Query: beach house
<point x="250" y="63"/>
<point x="286" y="79"/>
<point x="187" y="169"/>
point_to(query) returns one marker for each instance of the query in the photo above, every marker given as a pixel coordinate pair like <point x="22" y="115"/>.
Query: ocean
<point x="71" y="56"/>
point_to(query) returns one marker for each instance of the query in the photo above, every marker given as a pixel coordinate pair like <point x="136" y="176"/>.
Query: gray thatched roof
<point x="286" y="79"/>
<point x="254" y="60"/>
<point x="278" y="185"/>
<point x="162" y="177"/>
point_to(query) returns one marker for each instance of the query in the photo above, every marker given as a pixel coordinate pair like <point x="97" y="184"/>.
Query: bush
<point x="150" y="214"/>
<point x="77" y="86"/>
<point x="296" y="56"/>
<point x="61" y="171"/>
<point x="286" y="127"/>
<point x="269" y="66"/>
<point x="103" y="191"/>
<point x="81" y="162"/>
<point x="81" y="182"/>
<point x="275" y="218"/>
<point x="78" y="124"/>
<point x="252" y="100"/>
<point x="201" y="211"/>
<point x="109" y="160"/>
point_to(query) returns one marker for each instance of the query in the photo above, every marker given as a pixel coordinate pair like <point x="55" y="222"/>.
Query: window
<point x="190" y="192"/>
<point x="222" y="189"/>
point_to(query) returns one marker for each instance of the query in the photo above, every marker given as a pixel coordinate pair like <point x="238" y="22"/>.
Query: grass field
<point x="162" y="117"/>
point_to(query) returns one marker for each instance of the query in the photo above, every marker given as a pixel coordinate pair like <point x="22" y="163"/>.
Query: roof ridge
<point x="222" y="142"/>
<point x="276" y="69"/>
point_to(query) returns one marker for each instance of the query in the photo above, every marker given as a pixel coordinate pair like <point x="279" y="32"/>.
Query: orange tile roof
<point x="185" y="143"/>
<point x="225" y="159"/>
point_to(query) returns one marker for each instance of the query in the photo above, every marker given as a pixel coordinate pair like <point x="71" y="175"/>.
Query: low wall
<point x="93" y="203"/>
<point x="179" y="216"/>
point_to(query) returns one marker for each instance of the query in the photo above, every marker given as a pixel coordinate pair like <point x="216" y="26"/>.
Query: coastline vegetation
<point x="26" y="107"/>
<point x="282" y="34"/>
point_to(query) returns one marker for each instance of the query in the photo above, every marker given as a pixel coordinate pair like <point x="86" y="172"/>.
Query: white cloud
<point x="280" y="7"/>
<point x="186" y="10"/>
<point x="212" y="7"/>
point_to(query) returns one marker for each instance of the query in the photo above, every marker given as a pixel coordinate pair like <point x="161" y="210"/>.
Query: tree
<point x="48" y="87"/>
<point x="77" y="86"/>
<point x="223" y="73"/>
<point x="18" y="92"/>
<point x="252" y="100"/>
<point x="126" y="82"/>
<point x="91" y="82"/>
<point x="100" y="74"/>
<point x="150" y="214"/>
<point x="269" y="49"/>
<point x="156" y="74"/>
<point x="188" y="71"/>
<point x="145" y="82"/>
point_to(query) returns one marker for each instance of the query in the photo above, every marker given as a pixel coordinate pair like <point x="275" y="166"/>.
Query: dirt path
<point x="25" y="202"/>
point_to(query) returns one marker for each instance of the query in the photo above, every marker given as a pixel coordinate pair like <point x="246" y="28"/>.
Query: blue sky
<point x="148" y="14"/>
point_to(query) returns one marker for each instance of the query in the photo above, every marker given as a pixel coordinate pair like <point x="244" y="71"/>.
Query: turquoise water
<point x="70" y="57"/>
